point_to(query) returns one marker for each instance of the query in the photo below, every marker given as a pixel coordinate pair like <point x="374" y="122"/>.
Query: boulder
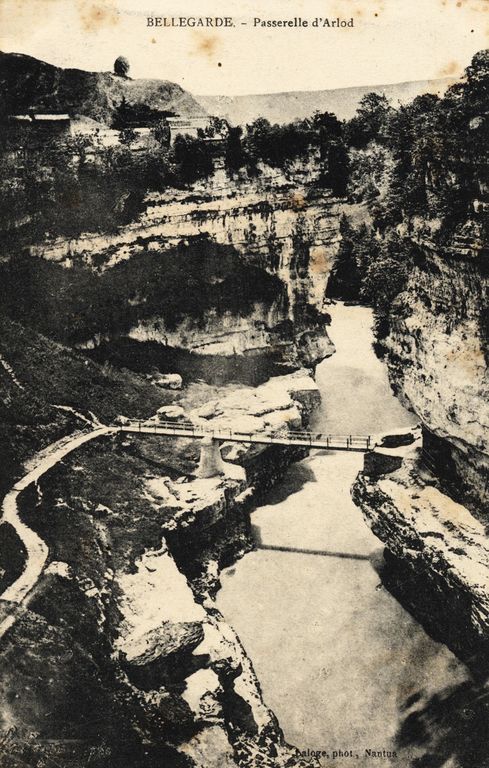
<point x="167" y="380"/>
<point x="170" y="413"/>
<point x="209" y="410"/>
<point x="121" y="421"/>
<point x="168" y="639"/>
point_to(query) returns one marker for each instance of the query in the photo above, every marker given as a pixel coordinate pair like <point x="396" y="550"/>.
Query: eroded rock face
<point x="437" y="556"/>
<point x="281" y="227"/>
<point x="213" y="689"/>
<point x="283" y="402"/>
<point x="437" y="355"/>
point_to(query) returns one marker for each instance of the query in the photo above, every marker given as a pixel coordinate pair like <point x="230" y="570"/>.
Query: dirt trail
<point x="36" y="548"/>
<point x="8" y="368"/>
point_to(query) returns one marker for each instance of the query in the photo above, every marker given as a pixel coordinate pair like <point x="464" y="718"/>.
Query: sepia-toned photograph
<point x="244" y="446"/>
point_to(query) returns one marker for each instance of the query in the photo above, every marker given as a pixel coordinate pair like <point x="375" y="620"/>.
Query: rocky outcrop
<point x="437" y="351"/>
<point x="281" y="227"/>
<point x="209" y="527"/>
<point x="136" y="542"/>
<point x="437" y="555"/>
<point x="169" y="641"/>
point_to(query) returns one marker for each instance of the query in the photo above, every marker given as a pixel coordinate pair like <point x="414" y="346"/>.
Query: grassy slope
<point x="51" y="374"/>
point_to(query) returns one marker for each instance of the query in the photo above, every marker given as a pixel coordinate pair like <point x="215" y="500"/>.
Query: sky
<point x="391" y="41"/>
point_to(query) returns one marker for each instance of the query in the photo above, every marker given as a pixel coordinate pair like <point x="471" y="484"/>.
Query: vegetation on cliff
<point x="74" y="185"/>
<point x="68" y="180"/>
<point x="421" y="172"/>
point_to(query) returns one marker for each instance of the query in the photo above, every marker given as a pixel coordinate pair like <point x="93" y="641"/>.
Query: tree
<point x="162" y="133"/>
<point x="358" y="251"/>
<point x="370" y="120"/>
<point x="345" y="279"/>
<point x="127" y="136"/>
<point x="235" y="156"/>
<point x="478" y="69"/>
<point x="193" y="158"/>
<point x="337" y="168"/>
<point x="217" y="128"/>
<point x="328" y="123"/>
<point x="385" y="276"/>
<point x="475" y="91"/>
<point x="279" y="145"/>
<point x="121" y="66"/>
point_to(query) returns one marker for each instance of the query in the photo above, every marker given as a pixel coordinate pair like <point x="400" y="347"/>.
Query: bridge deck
<point x="318" y="440"/>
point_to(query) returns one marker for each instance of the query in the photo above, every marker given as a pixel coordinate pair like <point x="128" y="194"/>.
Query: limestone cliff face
<point x="437" y="557"/>
<point x="425" y="496"/>
<point x="437" y="354"/>
<point x="280" y="226"/>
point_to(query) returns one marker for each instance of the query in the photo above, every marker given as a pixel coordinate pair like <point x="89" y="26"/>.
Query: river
<point x="339" y="660"/>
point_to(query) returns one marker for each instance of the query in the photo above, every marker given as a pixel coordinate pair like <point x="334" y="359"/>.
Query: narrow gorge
<point x="231" y="595"/>
<point x="135" y="539"/>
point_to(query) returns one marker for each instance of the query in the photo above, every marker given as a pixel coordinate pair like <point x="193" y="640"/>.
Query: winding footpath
<point x="36" y="549"/>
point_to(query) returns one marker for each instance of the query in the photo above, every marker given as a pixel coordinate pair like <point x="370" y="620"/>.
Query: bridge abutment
<point x="211" y="463"/>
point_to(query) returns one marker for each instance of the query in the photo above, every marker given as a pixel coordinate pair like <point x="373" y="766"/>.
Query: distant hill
<point x="26" y="82"/>
<point x="288" y="106"/>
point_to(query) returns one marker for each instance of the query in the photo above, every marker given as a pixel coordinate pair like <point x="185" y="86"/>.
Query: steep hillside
<point x="285" y="107"/>
<point x="48" y="390"/>
<point x="26" y="82"/>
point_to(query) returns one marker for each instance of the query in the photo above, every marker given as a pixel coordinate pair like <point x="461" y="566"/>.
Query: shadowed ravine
<point x="341" y="663"/>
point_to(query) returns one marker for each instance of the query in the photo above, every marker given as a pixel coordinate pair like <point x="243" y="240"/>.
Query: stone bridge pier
<point x="211" y="463"/>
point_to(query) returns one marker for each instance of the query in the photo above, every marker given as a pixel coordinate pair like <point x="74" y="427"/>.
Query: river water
<point x="339" y="660"/>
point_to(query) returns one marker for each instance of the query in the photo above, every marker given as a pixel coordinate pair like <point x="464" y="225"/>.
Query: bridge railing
<point x="189" y="429"/>
<point x="348" y="440"/>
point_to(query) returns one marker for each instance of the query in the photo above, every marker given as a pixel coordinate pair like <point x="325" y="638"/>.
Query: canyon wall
<point x="426" y="497"/>
<point x="283" y="228"/>
<point x="437" y="352"/>
<point x="436" y="557"/>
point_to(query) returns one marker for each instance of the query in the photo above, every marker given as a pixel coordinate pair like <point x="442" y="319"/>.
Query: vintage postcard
<point x="244" y="413"/>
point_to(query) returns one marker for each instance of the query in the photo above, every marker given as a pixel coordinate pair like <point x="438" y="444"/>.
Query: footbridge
<point x="304" y="439"/>
<point x="211" y="463"/>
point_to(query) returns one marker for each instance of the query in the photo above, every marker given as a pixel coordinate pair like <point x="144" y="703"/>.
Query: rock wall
<point x="437" y="352"/>
<point x="437" y="556"/>
<point x="283" y="226"/>
<point x="428" y="500"/>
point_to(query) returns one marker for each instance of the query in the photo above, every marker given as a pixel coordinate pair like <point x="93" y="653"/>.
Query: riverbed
<point x="339" y="660"/>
